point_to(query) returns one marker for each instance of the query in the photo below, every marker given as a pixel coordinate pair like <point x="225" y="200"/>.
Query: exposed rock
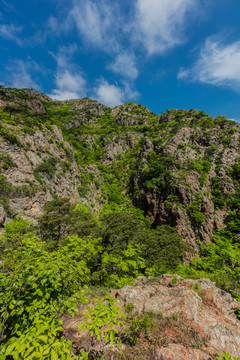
<point x="2" y="103"/>
<point x="36" y="105"/>
<point x="210" y="309"/>
<point x="179" y="352"/>
<point x="199" y="320"/>
<point x="185" y="138"/>
<point x="36" y="148"/>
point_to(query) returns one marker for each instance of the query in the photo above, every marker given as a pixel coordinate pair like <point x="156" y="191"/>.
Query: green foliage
<point x="6" y="190"/>
<point x="220" y="259"/>
<point x="103" y="321"/>
<point x="47" y="166"/>
<point x="61" y="219"/>
<point x="122" y="269"/>
<point x="138" y="324"/>
<point x="37" y="287"/>
<point x="164" y="250"/>
<point x="157" y="174"/>
<point x="234" y="172"/>
<point x="195" y="210"/>
<point x="202" y="166"/>
<point x="8" y="135"/>
<point x="174" y="280"/>
<point x="14" y="233"/>
<point x="119" y="230"/>
<point x="217" y="193"/>
<point x="226" y="356"/>
<point x="6" y="162"/>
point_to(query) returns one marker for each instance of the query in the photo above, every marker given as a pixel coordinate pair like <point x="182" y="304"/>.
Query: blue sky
<point x="162" y="53"/>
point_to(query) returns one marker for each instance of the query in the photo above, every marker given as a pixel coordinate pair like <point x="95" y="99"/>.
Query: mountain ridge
<point x="181" y="146"/>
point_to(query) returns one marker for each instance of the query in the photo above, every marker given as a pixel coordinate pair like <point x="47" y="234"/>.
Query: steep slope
<point x="35" y="161"/>
<point x="181" y="168"/>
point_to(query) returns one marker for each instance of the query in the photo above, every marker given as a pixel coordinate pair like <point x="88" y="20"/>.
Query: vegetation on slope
<point x="45" y="266"/>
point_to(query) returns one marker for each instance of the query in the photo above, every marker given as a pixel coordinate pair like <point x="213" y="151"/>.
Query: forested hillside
<point x="92" y="198"/>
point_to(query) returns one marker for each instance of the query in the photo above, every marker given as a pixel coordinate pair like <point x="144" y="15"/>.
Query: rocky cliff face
<point x="42" y="166"/>
<point x="180" y="168"/>
<point x="197" y="160"/>
<point x="187" y="319"/>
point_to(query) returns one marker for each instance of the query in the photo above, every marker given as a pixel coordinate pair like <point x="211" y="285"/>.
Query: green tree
<point x="61" y="219"/>
<point x="36" y="289"/>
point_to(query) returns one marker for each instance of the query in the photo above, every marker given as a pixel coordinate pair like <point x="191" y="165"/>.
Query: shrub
<point x="6" y="162"/>
<point x="47" y="166"/>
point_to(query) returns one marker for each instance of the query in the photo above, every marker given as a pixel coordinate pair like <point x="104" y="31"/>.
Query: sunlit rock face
<point x="203" y="310"/>
<point x="177" y="166"/>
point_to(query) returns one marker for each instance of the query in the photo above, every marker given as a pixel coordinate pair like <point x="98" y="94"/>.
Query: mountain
<point x="94" y="198"/>
<point x="180" y="168"/>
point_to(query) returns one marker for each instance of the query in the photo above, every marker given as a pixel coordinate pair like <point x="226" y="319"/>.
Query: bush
<point x="47" y="166"/>
<point x="36" y="287"/>
<point x="6" y="162"/>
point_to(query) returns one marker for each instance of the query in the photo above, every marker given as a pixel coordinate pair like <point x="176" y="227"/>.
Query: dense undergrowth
<point x="46" y="268"/>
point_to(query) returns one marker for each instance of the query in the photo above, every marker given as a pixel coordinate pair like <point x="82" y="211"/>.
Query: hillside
<point x="181" y="167"/>
<point x="93" y="197"/>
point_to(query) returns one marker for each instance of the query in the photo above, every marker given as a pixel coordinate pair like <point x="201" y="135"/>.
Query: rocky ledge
<point x="190" y="320"/>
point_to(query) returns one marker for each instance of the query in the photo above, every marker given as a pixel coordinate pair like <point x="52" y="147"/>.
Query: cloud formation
<point x="70" y="82"/>
<point x="20" y="74"/>
<point x="152" y="25"/>
<point x="68" y="86"/>
<point x="218" y="64"/>
<point x="110" y="95"/>
<point x="96" y="22"/>
<point x="11" y="32"/>
<point x="125" y="65"/>
<point x="161" y="23"/>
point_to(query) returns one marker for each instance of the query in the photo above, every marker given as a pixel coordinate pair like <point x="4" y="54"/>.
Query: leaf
<point x="54" y="355"/>
<point x="11" y="347"/>
<point x="112" y="336"/>
<point x="44" y="338"/>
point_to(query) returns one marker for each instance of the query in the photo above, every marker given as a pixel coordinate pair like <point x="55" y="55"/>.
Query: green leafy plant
<point x="103" y="321"/>
<point x="226" y="356"/>
<point x="36" y="289"/>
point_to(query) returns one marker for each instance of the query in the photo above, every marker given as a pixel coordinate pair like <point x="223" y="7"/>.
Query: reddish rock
<point x="208" y="309"/>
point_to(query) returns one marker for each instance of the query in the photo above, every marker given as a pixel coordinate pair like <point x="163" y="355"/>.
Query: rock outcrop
<point x="43" y="165"/>
<point x="209" y="310"/>
<point x="191" y="319"/>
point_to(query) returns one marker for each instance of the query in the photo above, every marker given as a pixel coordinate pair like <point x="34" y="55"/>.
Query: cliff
<point x="180" y="168"/>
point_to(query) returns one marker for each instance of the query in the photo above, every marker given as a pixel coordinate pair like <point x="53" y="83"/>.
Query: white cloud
<point x="20" y="74"/>
<point x="69" y="85"/>
<point x="110" y="95"/>
<point x="56" y="26"/>
<point x="130" y="93"/>
<point x="63" y="57"/>
<point x="113" y="95"/>
<point x="156" y="24"/>
<point x="160" y="24"/>
<point x="70" y="82"/>
<point x="95" y="22"/>
<point x="125" y="65"/>
<point x="53" y="25"/>
<point x="218" y="64"/>
<point x="11" y="32"/>
<point x="183" y="73"/>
